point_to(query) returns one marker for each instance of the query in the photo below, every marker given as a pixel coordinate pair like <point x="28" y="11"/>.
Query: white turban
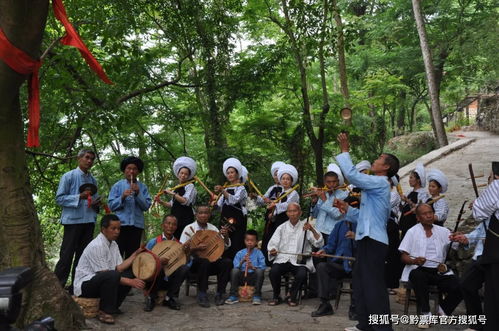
<point x="395" y="181"/>
<point x="421" y="173"/>
<point x="275" y="166"/>
<point x="244" y="176"/>
<point x="334" y="168"/>
<point x="363" y="165"/>
<point x="290" y="170"/>
<point x="185" y="162"/>
<point x="439" y="177"/>
<point x="233" y="163"/>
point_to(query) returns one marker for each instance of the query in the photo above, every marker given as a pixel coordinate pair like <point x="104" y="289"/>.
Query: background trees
<point x="260" y="80"/>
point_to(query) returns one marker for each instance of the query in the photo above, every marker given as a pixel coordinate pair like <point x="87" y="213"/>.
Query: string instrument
<point x="321" y="255"/>
<point x="302" y="259"/>
<point x="215" y="245"/>
<point x="428" y="203"/>
<point x="270" y="214"/>
<point x="145" y="266"/>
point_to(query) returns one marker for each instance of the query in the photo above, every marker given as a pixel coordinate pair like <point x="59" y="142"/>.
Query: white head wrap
<point x="395" y="181"/>
<point x="334" y="168"/>
<point x="290" y="170"/>
<point x="233" y="163"/>
<point x="185" y="162"/>
<point x="363" y="165"/>
<point x="244" y="176"/>
<point x="438" y="176"/>
<point x="421" y="173"/>
<point x="275" y="166"/>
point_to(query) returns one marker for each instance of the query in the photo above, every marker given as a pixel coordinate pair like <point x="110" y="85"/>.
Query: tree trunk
<point x="20" y="239"/>
<point x="440" y="134"/>
<point x="342" y="66"/>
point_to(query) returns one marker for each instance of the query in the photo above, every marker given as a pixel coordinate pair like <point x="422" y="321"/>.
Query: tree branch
<point x="49" y="155"/>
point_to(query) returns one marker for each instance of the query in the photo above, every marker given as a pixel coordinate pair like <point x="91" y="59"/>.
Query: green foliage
<point x="213" y="79"/>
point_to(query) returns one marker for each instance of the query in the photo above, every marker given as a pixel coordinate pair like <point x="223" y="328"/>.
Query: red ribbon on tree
<point x="23" y="64"/>
<point x="72" y="38"/>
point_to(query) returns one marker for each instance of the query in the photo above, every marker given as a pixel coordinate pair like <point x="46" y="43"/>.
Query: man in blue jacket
<point x="341" y="243"/>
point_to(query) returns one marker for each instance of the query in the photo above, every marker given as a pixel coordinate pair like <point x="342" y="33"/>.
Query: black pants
<point x="204" y="268"/>
<point x="76" y="237"/>
<point x="129" y="240"/>
<point x="254" y="278"/>
<point x="370" y="294"/>
<point x="106" y="286"/>
<point x="393" y="266"/>
<point x="328" y="274"/>
<point x="421" y="277"/>
<point x="492" y="297"/>
<point x="313" y="287"/>
<point x="172" y="285"/>
<point x="279" y="269"/>
<point x="471" y="283"/>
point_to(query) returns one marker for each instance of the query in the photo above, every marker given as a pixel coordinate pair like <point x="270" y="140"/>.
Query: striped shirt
<point x="488" y="203"/>
<point x="239" y="197"/>
<point x="441" y="208"/>
<point x="99" y="255"/>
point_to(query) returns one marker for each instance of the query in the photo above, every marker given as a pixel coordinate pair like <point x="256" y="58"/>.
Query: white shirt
<point x="288" y="238"/>
<point x="189" y="195"/>
<point x="99" y="255"/>
<point x="415" y="243"/>
<point x="239" y="197"/>
<point x="194" y="227"/>
<point x="282" y="207"/>
<point x="488" y="203"/>
<point x="395" y="204"/>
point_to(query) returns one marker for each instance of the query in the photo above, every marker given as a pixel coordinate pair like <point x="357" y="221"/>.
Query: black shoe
<point x="149" y="303"/>
<point x="311" y="295"/>
<point x="219" y="299"/>
<point x="171" y="303"/>
<point x="323" y="310"/>
<point x="352" y="315"/>
<point x="203" y="301"/>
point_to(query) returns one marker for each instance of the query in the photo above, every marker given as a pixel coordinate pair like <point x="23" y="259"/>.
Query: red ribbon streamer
<point x="23" y="64"/>
<point x="73" y="39"/>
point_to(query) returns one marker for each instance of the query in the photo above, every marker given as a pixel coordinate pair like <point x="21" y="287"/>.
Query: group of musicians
<point x="365" y="228"/>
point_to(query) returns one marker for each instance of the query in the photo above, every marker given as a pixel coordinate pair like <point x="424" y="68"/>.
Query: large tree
<point x="23" y="22"/>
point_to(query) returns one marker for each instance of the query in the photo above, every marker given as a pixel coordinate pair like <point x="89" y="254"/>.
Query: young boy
<point x="256" y="267"/>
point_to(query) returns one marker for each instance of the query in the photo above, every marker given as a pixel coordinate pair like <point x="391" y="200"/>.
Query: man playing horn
<point x="172" y="283"/>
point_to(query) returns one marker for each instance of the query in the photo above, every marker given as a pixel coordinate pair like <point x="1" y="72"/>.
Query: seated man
<point x="423" y="248"/>
<point x="204" y="268"/>
<point x="290" y="240"/>
<point x="340" y="242"/>
<point x="174" y="281"/>
<point x="102" y="273"/>
<point x="253" y="259"/>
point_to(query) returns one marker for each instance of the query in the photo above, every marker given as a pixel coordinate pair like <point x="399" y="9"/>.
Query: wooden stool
<point x="288" y="280"/>
<point x="89" y="306"/>
<point x="434" y="294"/>
<point x="341" y="290"/>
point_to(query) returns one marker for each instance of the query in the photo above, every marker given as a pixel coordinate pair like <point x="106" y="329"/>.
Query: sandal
<point x="105" y="318"/>
<point x="292" y="303"/>
<point x="275" y="301"/>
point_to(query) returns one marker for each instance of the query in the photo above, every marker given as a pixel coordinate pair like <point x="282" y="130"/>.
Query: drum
<point x="214" y="242"/>
<point x="174" y="252"/>
<point x="144" y="266"/>
<point x="246" y="293"/>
